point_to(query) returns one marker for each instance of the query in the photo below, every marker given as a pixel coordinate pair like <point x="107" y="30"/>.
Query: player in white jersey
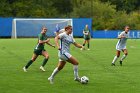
<point x="64" y="53"/>
<point x="121" y="46"/>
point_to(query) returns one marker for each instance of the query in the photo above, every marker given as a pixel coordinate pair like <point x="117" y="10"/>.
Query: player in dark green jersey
<point x="39" y="50"/>
<point x="87" y="36"/>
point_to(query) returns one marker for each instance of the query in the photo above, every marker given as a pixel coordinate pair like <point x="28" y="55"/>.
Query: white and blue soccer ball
<point x="84" y="79"/>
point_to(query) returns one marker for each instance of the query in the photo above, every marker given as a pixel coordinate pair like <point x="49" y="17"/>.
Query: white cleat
<point x="51" y="80"/>
<point x="77" y="79"/>
<point x="24" y="69"/>
<point x="42" y="68"/>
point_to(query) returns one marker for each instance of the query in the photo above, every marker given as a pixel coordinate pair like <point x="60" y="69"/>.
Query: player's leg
<point x="75" y="63"/>
<point x="88" y="41"/>
<point x="30" y="62"/>
<point x="83" y="44"/>
<point x="115" y="58"/>
<point x="46" y="55"/>
<point x="124" y="56"/>
<point x="60" y="66"/>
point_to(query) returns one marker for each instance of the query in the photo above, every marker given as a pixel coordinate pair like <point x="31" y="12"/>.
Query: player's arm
<point x="78" y="45"/>
<point x="85" y="33"/>
<point x="43" y="41"/>
<point x="50" y="44"/>
<point x="56" y="33"/>
<point x="56" y="42"/>
<point x="121" y="36"/>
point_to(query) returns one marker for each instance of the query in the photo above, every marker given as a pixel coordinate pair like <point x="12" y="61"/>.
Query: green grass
<point x="95" y="64"/>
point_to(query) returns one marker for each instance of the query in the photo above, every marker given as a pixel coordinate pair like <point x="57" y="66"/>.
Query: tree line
<point x="106" y="14"/>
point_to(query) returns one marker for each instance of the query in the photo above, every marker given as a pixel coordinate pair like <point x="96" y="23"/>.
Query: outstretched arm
<point x="78" y="45"/>
<point x="56" y="42"/>
<point x="121" y="36"/>
<point x="50" y="44"/>
<point x="43" y="41"/>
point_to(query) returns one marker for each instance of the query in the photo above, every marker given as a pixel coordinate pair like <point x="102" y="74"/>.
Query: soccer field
<point x="95" y="64"/>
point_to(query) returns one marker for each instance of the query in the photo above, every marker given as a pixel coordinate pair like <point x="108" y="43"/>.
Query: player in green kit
<point x="39" y="50"/>
<point x="87" y="36"/>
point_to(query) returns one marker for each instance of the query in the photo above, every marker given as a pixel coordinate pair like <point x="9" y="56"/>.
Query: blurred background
<point x="107" y="16"/>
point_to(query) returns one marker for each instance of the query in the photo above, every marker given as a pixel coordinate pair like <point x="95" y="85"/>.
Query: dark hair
<point x="67" y="27"/>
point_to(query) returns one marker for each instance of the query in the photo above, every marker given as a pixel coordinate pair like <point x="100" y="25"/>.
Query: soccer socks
<point x="44" y="62"/>
<point x="75" y="68"/>
<point x="28" y="64"/>
<point x="88" y="45"/>
<point x="115" y="59"/>
<point x="83" y="44"/>
<point x="123" y="57"/>
<point x="55" y="71"/>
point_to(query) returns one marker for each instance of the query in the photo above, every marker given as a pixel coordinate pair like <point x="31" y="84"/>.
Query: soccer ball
<point x="84" y="80"/>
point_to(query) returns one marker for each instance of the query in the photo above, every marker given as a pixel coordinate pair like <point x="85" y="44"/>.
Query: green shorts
<point x="38" y="51"/>
<point x="86" y="37"/>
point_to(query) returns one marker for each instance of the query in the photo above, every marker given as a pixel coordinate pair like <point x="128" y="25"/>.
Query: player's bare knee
<point x="118" y="56"/>
<point x="33" y="59"/>
<point x="76" y="63"/>
<point x="59" y="68"/>
<point x="47" y="56"/>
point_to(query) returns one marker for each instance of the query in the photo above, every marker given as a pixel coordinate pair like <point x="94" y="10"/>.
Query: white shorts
<point x="64" y="57"/>
<point x="119" y="48"/>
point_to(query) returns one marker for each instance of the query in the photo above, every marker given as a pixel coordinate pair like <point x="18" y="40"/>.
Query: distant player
<point x="87" y="36"/>
<point x="121" y="46"/>
<point x="58" y="30"/>
<point x="39" y="50"/>
<point x="64" y="53"/>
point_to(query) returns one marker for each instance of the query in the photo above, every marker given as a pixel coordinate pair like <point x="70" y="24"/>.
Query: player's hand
<point x="59" y="48"/>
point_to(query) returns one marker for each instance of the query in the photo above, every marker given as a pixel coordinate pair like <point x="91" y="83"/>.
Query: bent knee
<point x="118" y="56"/>
<point x="47" y="56"/>
<point x="126" y="54"/>
<point x="33" y="59"/>
<point x="59" y="68"/>
<point x="76" y="63"/>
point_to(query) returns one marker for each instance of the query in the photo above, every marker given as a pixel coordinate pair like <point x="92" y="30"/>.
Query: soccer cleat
<point x="77" y="79"/>
<point x="42" y="68"/>
<point x="81" y="49"/>
<point x="112" y="64"/>
<point x="24" y="69"/>
<point x="51" y="80"/>
<point x="120" y="63"/>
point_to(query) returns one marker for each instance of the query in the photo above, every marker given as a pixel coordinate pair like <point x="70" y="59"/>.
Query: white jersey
<point x="121" y="44"/>
<point x="60" y="31"/>
<point x="65" y="41"/>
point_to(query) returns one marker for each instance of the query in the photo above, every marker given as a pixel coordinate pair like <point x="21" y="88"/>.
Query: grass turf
<point x="95" y="64"/>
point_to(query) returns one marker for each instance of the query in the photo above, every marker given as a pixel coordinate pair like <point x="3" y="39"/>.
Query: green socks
<point x="44" y="62"/>
<point x="28" y="64"/>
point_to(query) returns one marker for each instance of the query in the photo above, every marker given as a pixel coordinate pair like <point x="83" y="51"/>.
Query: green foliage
<point x="103" y="15"/>
<point x="125" y="5"/>
<point x="106" y="14"/>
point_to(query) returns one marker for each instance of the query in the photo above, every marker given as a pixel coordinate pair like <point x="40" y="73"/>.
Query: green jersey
<point x="86" y="30"/>
<point x="41" y="37"/>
